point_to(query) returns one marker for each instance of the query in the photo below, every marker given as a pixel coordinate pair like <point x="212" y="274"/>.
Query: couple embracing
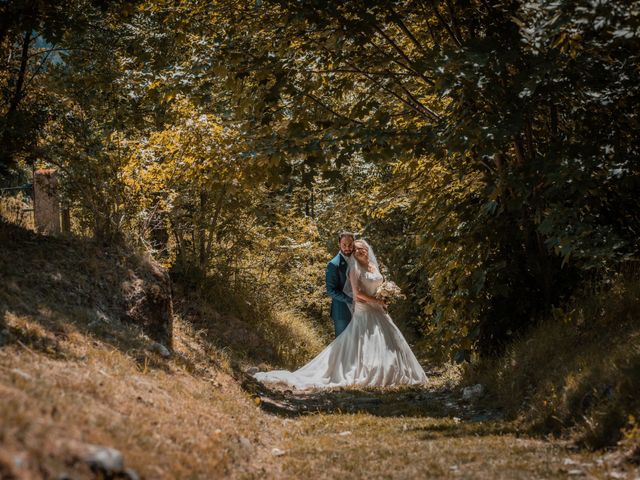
<point x="368" y="350"/>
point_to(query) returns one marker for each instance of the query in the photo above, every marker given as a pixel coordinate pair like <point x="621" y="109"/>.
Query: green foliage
<point x="32" y="37"/>
<point x="492" y="114"/>
<point x="486" y="148"/>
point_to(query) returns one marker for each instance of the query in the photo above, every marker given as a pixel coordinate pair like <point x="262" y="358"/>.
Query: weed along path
<point x="412" y="433"/>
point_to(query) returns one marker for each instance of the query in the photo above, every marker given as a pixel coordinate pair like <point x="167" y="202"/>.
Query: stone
<point x="21" y="374"/>
<point x="276" y="452"/>
<point x="148" y="301"/>
<point x="100" y="316"/>
<point x="616" y="474"/>
<point x="20" y="460"/>
<point x="131" y="474"/>
<point x="160" y="350"/>
<point x="104" y="459"/>
<point x="474" y="392"/>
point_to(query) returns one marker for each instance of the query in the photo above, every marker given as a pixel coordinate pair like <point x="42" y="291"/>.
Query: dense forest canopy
<point x="488" y="148"/>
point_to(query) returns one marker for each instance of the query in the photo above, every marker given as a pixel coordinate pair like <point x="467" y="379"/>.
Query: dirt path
<point x="413" y="433"/>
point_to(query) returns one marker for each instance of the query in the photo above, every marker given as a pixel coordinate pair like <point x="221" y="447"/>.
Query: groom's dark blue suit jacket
<point x="336" y="278"/>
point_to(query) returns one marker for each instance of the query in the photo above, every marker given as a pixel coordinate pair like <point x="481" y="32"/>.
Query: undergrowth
<point x="577" y="374"/>
<point x="242" y="321"/>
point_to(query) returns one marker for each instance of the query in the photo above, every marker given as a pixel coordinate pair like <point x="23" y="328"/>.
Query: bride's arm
<point x="363" y="297"/>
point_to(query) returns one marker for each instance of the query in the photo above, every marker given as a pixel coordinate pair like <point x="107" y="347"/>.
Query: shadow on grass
<point x="222" y="332"/>
<point x="408" y="401"/>
<point x="55" y="286"/>
<point x="466" y="428"/>
<point x="239" y="318"/>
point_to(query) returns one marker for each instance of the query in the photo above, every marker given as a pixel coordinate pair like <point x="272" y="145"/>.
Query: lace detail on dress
<point x="370" y="281"/>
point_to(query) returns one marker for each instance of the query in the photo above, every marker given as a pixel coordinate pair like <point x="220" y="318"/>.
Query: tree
<point x="500" y="100"/>
<point x="32" y="37"/>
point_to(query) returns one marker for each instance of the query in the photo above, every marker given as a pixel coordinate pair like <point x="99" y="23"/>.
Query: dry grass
<point x="361" y="446"/>
<point x="71" y="371"/>
<point x="68" y="378"/>
<point x="172" y="419"/>
<point x="577" y="374"/>
<point x="252" y="332"/>
<point x="17" y="209"/>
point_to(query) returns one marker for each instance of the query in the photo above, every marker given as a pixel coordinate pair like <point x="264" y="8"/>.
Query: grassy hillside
<point x="80" y="370"/>
<point x="577" y="374"/>
<point x="75" y="370"/>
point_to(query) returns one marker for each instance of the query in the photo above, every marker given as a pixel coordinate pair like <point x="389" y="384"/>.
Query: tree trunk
<point x="553" y="121"/>
<point x="201" y="236"/>
<point x="6" y="157"/>
<point x="214" y="222"/>
<point x="24" y="58"/>
<point x="520" y="154"/>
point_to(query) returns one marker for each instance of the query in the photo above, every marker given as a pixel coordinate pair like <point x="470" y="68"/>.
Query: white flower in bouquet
<point x="389" y="292"/>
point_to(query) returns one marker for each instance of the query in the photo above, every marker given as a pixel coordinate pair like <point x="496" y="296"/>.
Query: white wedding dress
<point x="371" y="351"/>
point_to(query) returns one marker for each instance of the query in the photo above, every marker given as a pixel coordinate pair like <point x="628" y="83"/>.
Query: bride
<point x="371" y="351"/>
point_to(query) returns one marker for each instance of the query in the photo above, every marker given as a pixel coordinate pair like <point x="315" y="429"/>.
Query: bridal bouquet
<point x="389" y="292"/>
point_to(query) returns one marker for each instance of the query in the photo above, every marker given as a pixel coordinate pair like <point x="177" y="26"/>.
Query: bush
<point x="578" y="372"/>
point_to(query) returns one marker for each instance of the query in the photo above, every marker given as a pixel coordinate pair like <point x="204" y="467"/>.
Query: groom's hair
<point x="343" y="234"/>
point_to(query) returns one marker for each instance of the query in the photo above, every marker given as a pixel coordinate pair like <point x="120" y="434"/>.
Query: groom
<point x="336" y="278"/>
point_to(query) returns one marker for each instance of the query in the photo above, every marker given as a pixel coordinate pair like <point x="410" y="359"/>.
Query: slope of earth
<point x="80" y="375"/>
<point x="86" y="392"/>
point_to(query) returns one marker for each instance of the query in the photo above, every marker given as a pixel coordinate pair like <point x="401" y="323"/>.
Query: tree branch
<point x="17" y="94"/>
<point x="398" y="21"/>
<point x="520" y="154"/>
<point x="348" y="70"/>
<point x="454" y="20"/>
<point x="214" y="222"/>
<point x="37" y="70"/>
<point x="431" y="113"/>
<point x="445" y="24"/>
<point x="402" y="54"/>
<point x="414" y="107"/>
